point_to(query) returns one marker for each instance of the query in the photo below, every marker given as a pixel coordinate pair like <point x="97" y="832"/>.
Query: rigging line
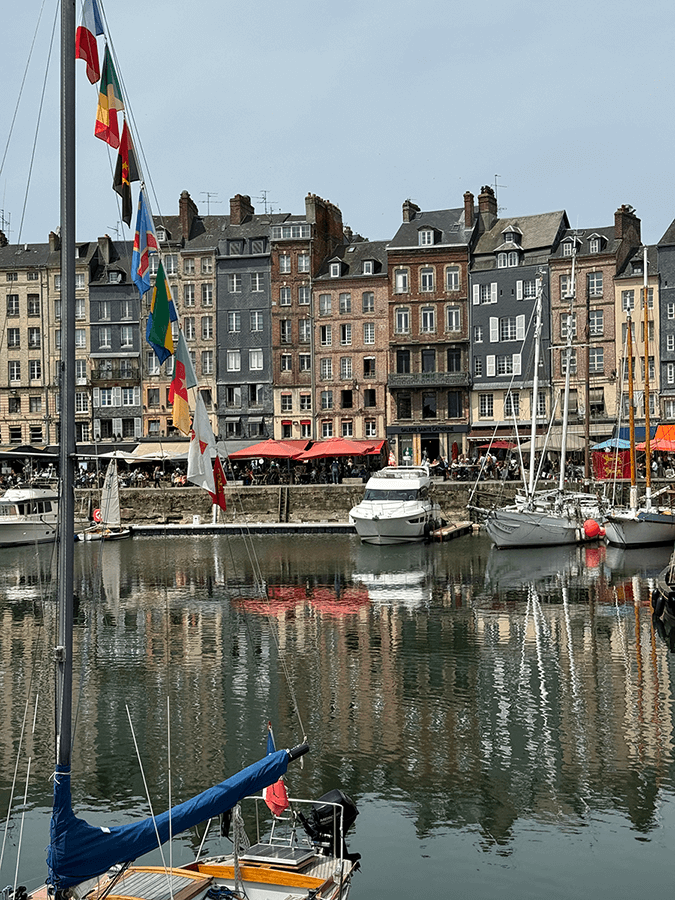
<point x="14" y="781"/>
<point x="263" y="594"/>
<point x="135" y="134"/>
<point x="23" y="820"/>
<point x="21" y="87"/>
<point x="147" y="795"/>
<point x="37" y="124"/>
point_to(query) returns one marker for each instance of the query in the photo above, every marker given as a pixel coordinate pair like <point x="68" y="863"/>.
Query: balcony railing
<point x="429" y="379"/>
<point x="115" y="373"/>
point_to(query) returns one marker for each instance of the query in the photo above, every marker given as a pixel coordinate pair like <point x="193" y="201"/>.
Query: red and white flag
<point x="275" y="795"/>
<point x="202" y="441"/>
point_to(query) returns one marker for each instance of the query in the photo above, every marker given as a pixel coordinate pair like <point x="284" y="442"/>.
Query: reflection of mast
<point x="638" y="655"/>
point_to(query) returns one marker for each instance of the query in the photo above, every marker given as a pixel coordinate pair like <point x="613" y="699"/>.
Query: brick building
<point x="428" y="384"/>
<point x="351" y="342"/>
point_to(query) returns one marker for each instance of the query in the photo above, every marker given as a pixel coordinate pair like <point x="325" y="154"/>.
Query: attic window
<point x="567" y="248"/>
<point x="509" y="237"/>
<point x="367" y="267"/>
<point x="161" y="233"/>
<point x="335" y="270"/>
<point x="114" y="277"/>
<point x="594" y="245"/>
<point x="426" y="237"/>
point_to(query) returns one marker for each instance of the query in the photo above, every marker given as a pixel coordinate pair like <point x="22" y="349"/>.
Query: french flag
<point x="86" y="47"/>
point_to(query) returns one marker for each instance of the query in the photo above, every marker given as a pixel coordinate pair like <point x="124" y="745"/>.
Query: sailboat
<point x="107" y="519"/>
<point x="641" y="523"/>
<point x="547" y="517"/>
<point x="305" y="855"/>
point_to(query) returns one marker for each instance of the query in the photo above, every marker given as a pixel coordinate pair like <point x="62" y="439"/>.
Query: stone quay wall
<point x="287" y="503"/>
<point x="266" y="503"/>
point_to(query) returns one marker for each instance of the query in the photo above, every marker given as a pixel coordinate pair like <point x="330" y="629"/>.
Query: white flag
<point x="202" y="441"/>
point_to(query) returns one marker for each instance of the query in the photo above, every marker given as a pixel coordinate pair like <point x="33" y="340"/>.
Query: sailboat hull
<point x="643" y="528"/>
<point x="513" y="527"/>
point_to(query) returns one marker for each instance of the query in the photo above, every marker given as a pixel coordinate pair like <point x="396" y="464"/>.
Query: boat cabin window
<point x="398" y="494"/>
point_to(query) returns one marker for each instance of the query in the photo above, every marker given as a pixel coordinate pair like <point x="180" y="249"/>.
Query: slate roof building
<point x="665" y="266"/>
<point x="509" y="266"/>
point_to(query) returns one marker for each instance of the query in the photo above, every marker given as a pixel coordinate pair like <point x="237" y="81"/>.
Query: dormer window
<point x="594" y="245"/>
<point x="114" y="277"/>
<point x="161" y="233"/>
<point x="510" y="237"/>
<point x="502" y="260"/>
<point x="367" y="267"/>
<point x="513" y="258"/>
<point x="335" y="270"/>
<point x="567" y="248"/>
<point x="426" y="237"/>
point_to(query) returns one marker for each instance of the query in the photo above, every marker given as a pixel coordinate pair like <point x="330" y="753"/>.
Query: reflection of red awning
<point x="326" y="601"/>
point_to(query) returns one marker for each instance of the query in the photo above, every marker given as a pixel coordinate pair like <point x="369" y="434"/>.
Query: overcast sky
<point x="364" y="103"/>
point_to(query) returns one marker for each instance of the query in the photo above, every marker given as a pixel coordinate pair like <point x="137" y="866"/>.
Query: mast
<point x="631" y="407"/>
<point x="568" y="357"/>
<point x="535" y="384"/>
<point x="648" y="445"/>
<point x="66" y="540"/>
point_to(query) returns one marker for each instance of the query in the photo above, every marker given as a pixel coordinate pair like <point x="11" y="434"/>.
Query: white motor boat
<point x="397" y="507"/>
<point x="28" y="516"/>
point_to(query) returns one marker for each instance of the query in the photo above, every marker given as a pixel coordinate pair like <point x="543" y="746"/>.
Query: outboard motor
<point x="323" y="823"/>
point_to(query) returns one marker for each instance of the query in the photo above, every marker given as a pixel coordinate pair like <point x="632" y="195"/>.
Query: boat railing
<point x="293" y="829"/>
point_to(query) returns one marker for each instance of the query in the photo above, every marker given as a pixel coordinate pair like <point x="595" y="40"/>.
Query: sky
<point x="365" y="102"/>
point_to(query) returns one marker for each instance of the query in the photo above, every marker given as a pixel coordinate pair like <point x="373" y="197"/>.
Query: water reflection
<point x="479" y="689"/>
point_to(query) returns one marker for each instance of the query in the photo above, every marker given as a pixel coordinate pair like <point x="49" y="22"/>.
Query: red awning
<point x="339" y="446"/>
<point x="498" y="445"/>
<point x="270" y="449"/>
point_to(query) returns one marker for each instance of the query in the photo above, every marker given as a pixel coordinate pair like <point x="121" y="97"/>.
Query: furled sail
<point x="79" y="851"/>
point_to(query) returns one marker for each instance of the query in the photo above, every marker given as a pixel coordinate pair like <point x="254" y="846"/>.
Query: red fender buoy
<point x="591" y="528"/>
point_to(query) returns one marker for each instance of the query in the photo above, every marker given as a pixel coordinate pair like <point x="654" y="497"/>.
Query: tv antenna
<point x="116" y="229"/>
<point x="495" y="186"/>
<point x="209" y="201"/>
<point x="268" y="206"/>
<point x="4" y="223"/>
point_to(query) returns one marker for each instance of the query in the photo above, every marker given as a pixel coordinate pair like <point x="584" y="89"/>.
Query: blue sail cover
<point x="78" y="850"/>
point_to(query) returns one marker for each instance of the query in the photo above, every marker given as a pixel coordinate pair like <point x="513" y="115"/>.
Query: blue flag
<point x="144" y="241"/>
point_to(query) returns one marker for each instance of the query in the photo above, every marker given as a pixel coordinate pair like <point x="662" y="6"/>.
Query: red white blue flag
<point x="86" y="47"/>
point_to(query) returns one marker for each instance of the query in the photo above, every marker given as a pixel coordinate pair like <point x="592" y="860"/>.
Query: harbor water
<point x="503" y="719"/>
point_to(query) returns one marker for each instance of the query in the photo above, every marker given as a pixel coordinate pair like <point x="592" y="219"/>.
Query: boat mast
<point x="631" y="408"/>
<point x="568" y="357"/>
<point x="66" y="545"/>
<point x="535" y="383"/>
<point x="648" y="445"/>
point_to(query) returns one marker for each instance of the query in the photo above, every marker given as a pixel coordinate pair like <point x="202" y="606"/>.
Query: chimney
<point x="627" y="225"/>
<point x="105" y="249"/>
<point x="409" y="210"/>
<point x="187" y="212"/>
<point x="240" y="209"/>
<point x="54" y="242"/>
<point x="487" y="206"/>
<point x="468" y="210"/>
<point x="627" y="232"/>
